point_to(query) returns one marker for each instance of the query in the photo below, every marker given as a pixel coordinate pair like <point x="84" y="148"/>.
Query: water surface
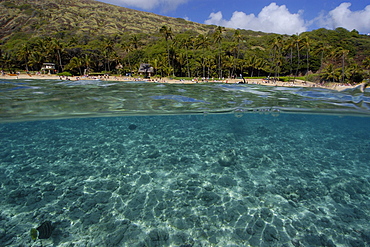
<point x="45" y="99"/>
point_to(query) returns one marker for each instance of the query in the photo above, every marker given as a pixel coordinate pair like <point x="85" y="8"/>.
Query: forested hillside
<point x="92" y="36"/>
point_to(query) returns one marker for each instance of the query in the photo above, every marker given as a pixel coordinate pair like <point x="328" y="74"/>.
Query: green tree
<point x="75" y="63"/>
<point x="366" y="62"/>
<point x="210" y="65"/>
<point x="107" y="49"/>
<point x="217" y="37"/>
<point x="229" y="64"/>
<point x="189" y="45"/>
<point x="86" y="62"/>
<point x="307" y="45"/>
<point x="290" y="45"/>
<point x="343" y="53"/>
<point x="329" y="73"/>
<point x="323" y="49"/>
<point x="297" y="42"/>
<point x="158" y="64"/>
<point x="127" y="48"/>
<point x="24" y="54"/>
<point x="354" y="73"/>
<point x="6" y="60"/>
<point x="253" y="63"/>
<point x="277" y="46"/>
<point x="58" y="48"/>
<point x="167" y="35"/>
<point x="261" y="65"/>
<point x="203" y="42"/>
<point x="183" y="43"/>
<point x="36" y="59"/>
<point x="135" y="42"/>
<point x="237" y="37"/>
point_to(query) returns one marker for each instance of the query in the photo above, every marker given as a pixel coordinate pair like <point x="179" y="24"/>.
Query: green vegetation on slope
<point x="83" y="17"/>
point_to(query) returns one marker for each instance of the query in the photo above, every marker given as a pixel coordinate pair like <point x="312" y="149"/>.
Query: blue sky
<point x="280" y="16"/>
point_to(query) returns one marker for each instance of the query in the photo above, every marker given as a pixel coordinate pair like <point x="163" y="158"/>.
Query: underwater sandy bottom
<point x="189" y="180"/>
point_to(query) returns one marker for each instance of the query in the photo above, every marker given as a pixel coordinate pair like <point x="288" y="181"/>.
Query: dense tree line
<point x="322" y="55"/>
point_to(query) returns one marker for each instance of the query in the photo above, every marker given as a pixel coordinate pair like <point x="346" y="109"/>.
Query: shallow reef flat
<point x="187" y="180"/>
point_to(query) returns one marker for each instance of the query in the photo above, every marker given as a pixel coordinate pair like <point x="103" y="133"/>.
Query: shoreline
<point x="297" y="83"/>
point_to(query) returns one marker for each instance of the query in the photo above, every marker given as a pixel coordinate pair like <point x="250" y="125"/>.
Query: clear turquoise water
<point x="279" y="167"/>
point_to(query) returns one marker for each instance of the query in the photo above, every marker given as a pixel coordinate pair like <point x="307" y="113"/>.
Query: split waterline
<point x="49" y="99"/>
<point x="145" y="164"/>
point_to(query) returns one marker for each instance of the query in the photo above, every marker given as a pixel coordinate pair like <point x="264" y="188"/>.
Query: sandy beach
<point x="296" y="83"/>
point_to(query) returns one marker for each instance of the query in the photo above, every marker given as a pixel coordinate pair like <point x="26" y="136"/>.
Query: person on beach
<point x="364" y="85"/>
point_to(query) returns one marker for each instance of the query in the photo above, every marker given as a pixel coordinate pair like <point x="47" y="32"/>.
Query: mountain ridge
<point x="83" y="17"/>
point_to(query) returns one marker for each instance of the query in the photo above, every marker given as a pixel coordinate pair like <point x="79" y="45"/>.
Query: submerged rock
<point x="157" y="237"/>
<point x="227" y="158"/>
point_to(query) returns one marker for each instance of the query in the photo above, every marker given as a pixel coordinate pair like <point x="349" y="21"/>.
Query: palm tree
<point x="75" y="63"/>
<point x="243" y="64"/>
<point x="324" y="49"/>
<point x="339" y="54"/>
<point x="209" y="61"/>
<point x="366" y="66"/>
<point x="217" y="36"/>
<point x="307" y="44"/>
<point x="58" y="47"/>
<point x="229" y="64"/>
<point x="354" y="73"/>
<point x="167" y="34"/>
<point x="189" y="44"/>
<point x="35" y="59"/>
<point x="329" y="73"/>
<point x="86" y="61"/>
<point x="135" y="42"/>
<point x="24" y="54"/>
<point x="277" y="45"/>
<point x="39" y="52"/>
<point x="6" y="60"/>
<point x="253" y="63"/>
<point x="127" y="48"/>
<point x="237" y="38"/>
<point x="343" y="53"/>
<point x="366" y="62"/>
<point x="181" y="61"/>
<point x="289" y="45"/>
<point x="181" y="43"/>
<point x="157" y="64"/>
<point x="203" y="42"/>
<point x="107" y="49"/>
<point x="261" y="64"/>
<point x="297" y="43"/>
